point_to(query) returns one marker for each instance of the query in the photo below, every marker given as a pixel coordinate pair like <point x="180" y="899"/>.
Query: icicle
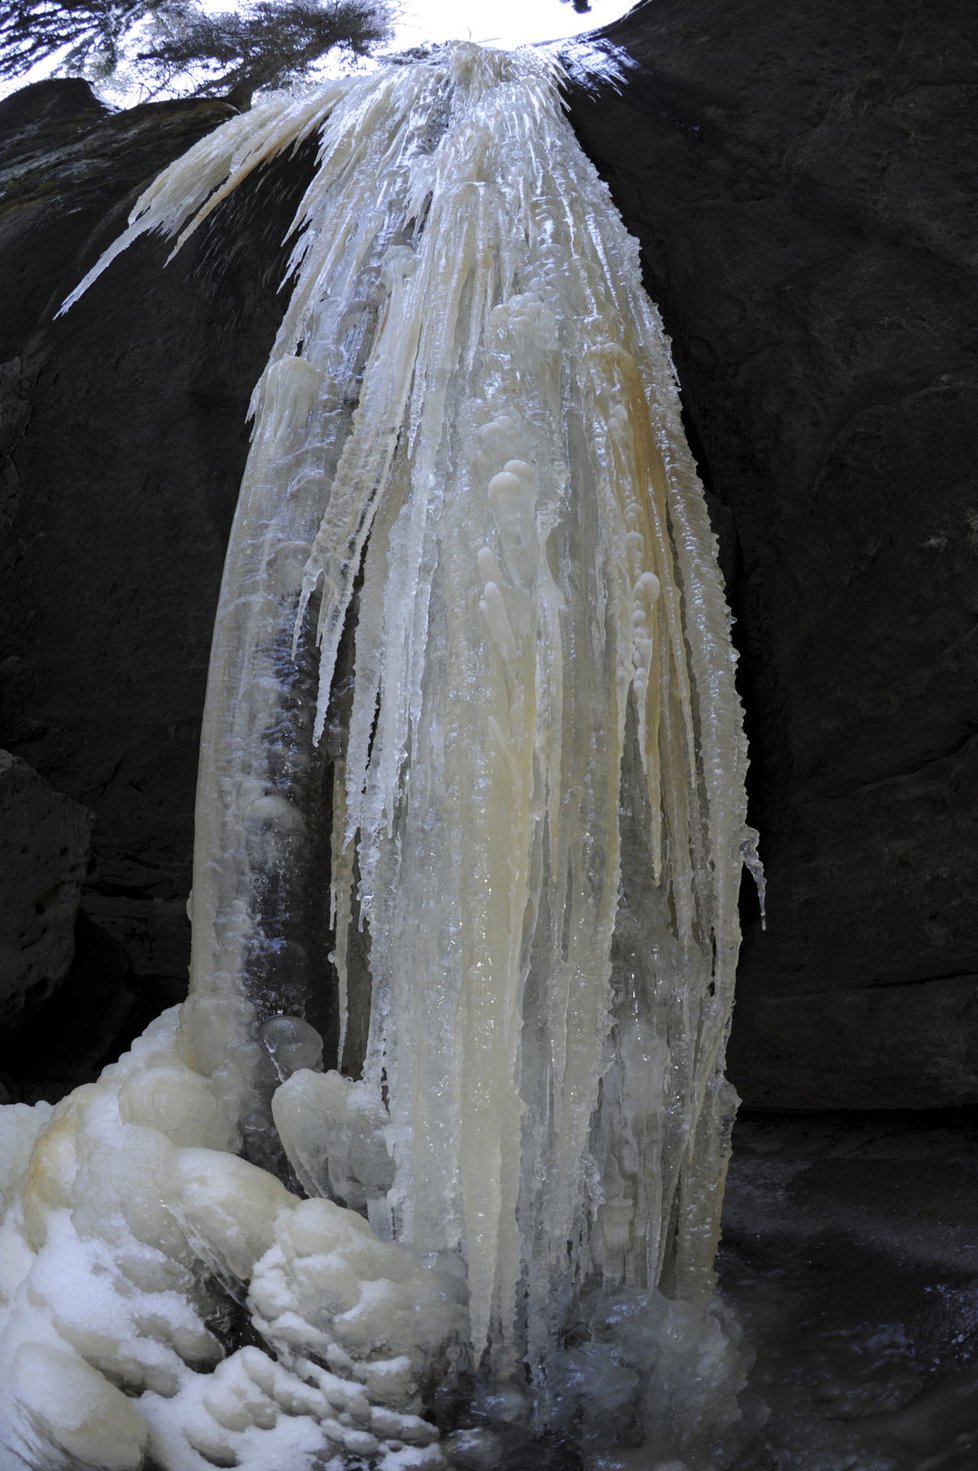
<point x="469" y="488"/>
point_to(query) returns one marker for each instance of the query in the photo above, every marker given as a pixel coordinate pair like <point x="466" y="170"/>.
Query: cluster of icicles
<point x="470" y="818"/>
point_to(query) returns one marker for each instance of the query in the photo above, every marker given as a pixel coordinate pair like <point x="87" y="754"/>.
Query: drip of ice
<point x="470" y="816"/>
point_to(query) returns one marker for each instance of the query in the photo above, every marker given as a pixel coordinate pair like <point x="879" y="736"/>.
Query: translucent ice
<point x="469" y="825"/>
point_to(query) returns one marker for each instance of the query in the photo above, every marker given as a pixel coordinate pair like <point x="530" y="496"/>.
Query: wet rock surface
<point x="850" y="1259"/>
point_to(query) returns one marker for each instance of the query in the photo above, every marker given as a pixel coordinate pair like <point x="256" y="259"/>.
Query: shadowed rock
<point x="796" y="176"/>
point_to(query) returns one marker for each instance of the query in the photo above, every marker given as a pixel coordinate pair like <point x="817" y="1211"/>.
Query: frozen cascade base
<point x="470" y="829"/>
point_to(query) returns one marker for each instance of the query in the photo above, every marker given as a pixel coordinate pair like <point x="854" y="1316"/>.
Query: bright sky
<point x="499" y="22"/>
<point x="502" y="23"/>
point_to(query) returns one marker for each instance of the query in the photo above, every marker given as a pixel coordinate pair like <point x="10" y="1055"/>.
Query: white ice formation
<point x="470" y="817"/>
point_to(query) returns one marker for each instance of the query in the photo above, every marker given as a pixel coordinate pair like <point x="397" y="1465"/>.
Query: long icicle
<point x="471" y="408"/>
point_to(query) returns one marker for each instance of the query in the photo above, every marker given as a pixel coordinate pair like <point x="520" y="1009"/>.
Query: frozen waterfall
<point x="469" y="838"/>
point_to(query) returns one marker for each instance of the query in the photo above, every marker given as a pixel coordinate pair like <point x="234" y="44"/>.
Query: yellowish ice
<point x="470" y="828"/>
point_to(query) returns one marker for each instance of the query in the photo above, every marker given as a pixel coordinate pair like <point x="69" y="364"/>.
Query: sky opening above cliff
<point x="503" y="23"/>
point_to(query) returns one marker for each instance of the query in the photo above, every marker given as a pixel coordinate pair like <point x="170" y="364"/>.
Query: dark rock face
<point x="44" y="845"/>
<point x="797" y="176"/>
<point x="123" y="440"/>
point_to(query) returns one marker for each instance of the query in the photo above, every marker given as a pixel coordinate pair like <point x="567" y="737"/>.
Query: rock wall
<point x="799" y="178"/>
<point x="44" y="847"/>
<point x="122" y="442"/>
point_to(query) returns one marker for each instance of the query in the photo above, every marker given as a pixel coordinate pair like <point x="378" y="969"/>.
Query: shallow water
<point x="850" y="1256"/>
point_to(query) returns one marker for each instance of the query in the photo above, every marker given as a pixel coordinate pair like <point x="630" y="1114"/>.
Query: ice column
<point x="473" y="646"/>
